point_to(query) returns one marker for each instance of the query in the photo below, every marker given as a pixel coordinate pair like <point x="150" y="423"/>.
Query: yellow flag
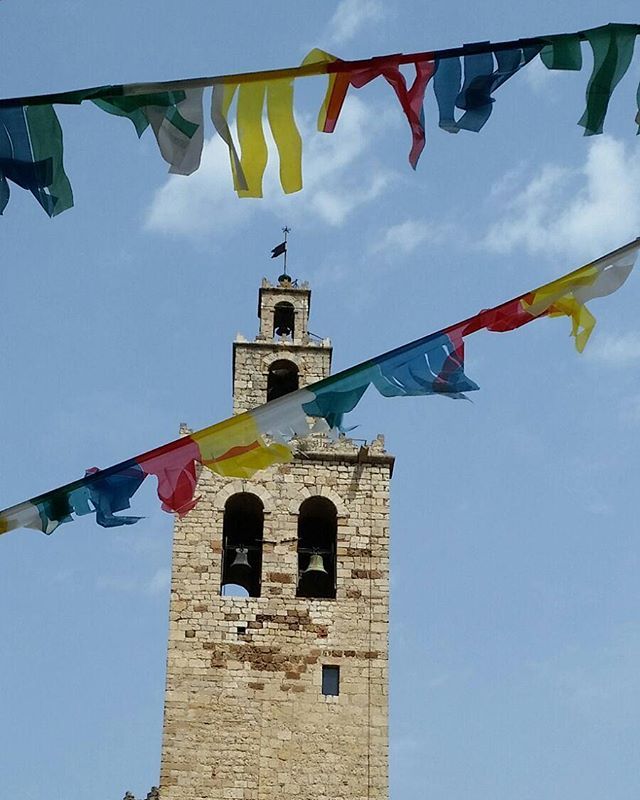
<point x="235" y="448"/>
<point x="321" y="56"/>
<point x="285" y="133"/>
<point x="248" y="169"/>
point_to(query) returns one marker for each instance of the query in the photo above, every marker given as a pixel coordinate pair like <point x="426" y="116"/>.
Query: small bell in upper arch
<point x="241" y="561"/>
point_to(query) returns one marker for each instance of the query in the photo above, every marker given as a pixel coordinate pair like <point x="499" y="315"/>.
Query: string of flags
<point x="464" y="82"/>
<point x="241" y="445"/>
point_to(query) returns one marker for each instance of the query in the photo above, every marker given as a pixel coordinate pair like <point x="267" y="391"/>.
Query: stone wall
<point x="245" y="718"/>
<point x="253" y="359"/>
<point x="298" y="296"/>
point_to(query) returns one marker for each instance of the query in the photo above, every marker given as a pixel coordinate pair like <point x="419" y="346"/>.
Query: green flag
<point x="31" y="156"/>
<point x="176" y="119"/>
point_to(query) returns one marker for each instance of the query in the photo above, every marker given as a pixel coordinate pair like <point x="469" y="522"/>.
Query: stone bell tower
<point x="277" y="668"/>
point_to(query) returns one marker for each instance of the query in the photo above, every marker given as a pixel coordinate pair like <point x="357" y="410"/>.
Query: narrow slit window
<point x="330" y="680"/>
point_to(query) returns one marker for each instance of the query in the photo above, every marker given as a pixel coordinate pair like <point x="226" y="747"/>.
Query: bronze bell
<point x="240" y="562"/>
<point x="316" y="565"/>
<point x="314" y="580"/>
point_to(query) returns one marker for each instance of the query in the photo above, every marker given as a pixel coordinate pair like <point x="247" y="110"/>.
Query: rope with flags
<point x="255" y="440"/>
<point x="464" y="81"/>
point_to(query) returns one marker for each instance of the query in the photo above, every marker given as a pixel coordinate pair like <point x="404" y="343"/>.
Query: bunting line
<point x="305" y="70"/>
<point x="464" y="82"/>
<point x="242" y="445"/>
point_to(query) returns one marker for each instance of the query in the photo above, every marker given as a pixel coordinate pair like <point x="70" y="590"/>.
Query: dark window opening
<point x="330" y="680"/>
<point x="282" y="379"/>
<point x="317" y="540"/>
<point x="242" y="545"/>
<point x="283" y="320"/>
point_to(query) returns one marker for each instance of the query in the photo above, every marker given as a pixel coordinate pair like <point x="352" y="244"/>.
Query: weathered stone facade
<point x="245" y="714"/>
<point x="251" y="360"/>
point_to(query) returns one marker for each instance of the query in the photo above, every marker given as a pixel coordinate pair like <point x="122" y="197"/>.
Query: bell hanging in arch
<point x="315" y="566"/>
<point x="240" y="561"/>
<point x="314" y="581"/>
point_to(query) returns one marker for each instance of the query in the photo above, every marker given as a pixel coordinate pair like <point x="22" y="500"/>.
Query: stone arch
<point x="280" y="353"/>
<point x="305" y="493"/>
<point x="240" y="486"/>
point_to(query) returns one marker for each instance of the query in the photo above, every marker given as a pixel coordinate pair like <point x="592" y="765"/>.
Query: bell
<point x="239" y="571"/>
<point x="240" y="562"/>
<point x="314" y="580"/>
<point x="283" y="329"/>
<point x="316" y="564"/>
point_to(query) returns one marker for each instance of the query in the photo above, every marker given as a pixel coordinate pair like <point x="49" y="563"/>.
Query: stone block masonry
<point x="246" y="717"/>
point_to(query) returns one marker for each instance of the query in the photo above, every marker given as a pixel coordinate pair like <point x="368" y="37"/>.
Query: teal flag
<point x="474" y="94"/>
<point x="31" y="157"/>
<point x="176" y="119"/>
<point x="612" y="47"/>
<point x="562" y="52"/>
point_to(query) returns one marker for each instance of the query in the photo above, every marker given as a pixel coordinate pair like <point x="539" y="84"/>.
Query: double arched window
<point x="242" y="541"/>
<point x="242" y="531"/>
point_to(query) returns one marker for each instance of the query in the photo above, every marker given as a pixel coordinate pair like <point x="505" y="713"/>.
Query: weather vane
<point x="281" y="249"/>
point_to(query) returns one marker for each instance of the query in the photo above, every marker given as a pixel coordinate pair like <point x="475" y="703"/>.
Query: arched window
<point x="317" y="542"/>
<point x="242" y="545"/>
<point x="282" y="379"/>
<point x="283" y="320"/>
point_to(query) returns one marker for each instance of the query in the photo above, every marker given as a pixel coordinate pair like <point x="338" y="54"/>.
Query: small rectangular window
<point x="330" y="680"/>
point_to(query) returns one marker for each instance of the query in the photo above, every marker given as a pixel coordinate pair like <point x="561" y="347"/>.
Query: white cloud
<point x="201" y="202"/>
<point x="336" y="182"/>
<point x="159" y="581"/>
<point x="131" y="584"/>
<point x="539" y="77"/>
<point x="405" y="237"/>
<point x="630" y="411"/>
<point x="599" y="507"/>
<point x="618" y="351"/>
<point x="578" y="212"/>
<point x="351" y="16"/>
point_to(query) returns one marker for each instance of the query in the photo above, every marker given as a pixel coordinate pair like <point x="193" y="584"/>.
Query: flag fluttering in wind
<point x="31" y="157"/>
<point x="279" y="249"/>
<point x="176" y="119"/>
<point x="257" y="439"/>
<point x="465" y="80"/>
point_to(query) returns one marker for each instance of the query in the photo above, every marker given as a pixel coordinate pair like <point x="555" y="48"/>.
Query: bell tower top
<point x="284" y="355"/>
<point x="283" y="310"/>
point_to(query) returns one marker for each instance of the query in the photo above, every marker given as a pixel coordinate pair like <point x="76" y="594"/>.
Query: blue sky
<point x="515" y="626"/>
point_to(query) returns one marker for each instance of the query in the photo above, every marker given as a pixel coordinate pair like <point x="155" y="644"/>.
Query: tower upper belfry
<point x="283" y="310"/>
<point x="284" y="356"/>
